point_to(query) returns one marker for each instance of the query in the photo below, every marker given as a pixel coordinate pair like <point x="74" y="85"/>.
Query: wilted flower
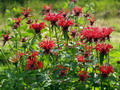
<point x="37" y="27"/>
<point x="53" y="17"/>
<point x="83" y="75"/>
<point x="106" y="70"/>
<point x="63" y="70"/>
<point x="103" y="48"/>
<point x="73" y="33"/>
<point x="47" y="45"/>
<point x="29" y="21"/>
<point x="6" y="37"/>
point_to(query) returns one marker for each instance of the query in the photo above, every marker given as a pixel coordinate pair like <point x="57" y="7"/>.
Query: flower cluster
<point x="37" y="27"/>
<point x="96" y="33"/>
<point x="32" y="62"/>
<point x="106" y="70"/>
<point x="65" y="24"/>
<point x="103" y="48"/>
<point x="63" y="70"/>
<point x="47" y="45"/>
<point x="83" y="75"/>
<point x="77" y="11"/>
<point x="26" y="12"/>
<point x="6" y="37"/>
<point x="53" y="17"/>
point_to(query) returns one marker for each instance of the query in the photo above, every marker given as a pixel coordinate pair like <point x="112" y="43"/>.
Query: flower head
<point x="77" y="11"/>
<point x="64" y="12"/>
<point x="53" y="17"/>
<point x="6" y="37"/>
<point x="83" y="75"/>
<point x="32" y="62"/>
<point x="47" y="45"/>
<point x="96" y="33"/>
<point x="92" y="20"/>
<point x="106" y="70"/>
<point x="26" y="12"/>
<point x="65" y="23"/>
<point x="47" y="8"/>
<point x="81" y="59"/>
<point x="38" y="27"/>
<point x="103" y="48"/>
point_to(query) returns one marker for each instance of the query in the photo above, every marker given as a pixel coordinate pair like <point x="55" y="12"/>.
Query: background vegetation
<point x="106" y="12"/>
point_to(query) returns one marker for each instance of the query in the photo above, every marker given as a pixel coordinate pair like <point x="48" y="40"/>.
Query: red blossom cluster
<point x="47" y="45"/>
<point x="47" y="8"/>
<point x="77" y="11"/>
<point x="95" y="34"/>
<point x="6" y="37"/>
<point x="92" y="20"/>
<point x="63" y="70"/>
<point x="65" y="23"/>
<point x="26" y="12"/>
<point x="17" y="22"/>
<point x="64" y="12"/>
<point x="37" y="27"/>
<point x="53" y="17"/>
<point x="106" y="70"/>
<point x="83" y="75"/>
<point x="32" y="62"/>
<point x="103" y="48"/>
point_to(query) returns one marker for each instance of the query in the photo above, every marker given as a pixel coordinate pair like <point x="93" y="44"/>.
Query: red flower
<point x="38" y="27"/>
<point x="106" y="70"/>
<point x="83" y="75"/>
<point x="17" y="22"/>
<point x="26" y="12"/>
<point x="6" y="38"/>
<point x="65" y="23"/>
<point x="33" y="64"/>
<point x="81" y="59"/>
<point x="53" y="17"/>
<point x="29" y="21"/>
<point x="96" y="33"/>
<point x="47" y="8"/>
<point x="103" y="48"/>
<point x="20" y="54"/>
<point x="92" y="20"/>
<point x="47" y="45"/>
<point x="73" y="33"/>
<point x="77" y="11"/>
<point x="63" y="70"/>
<point x="64" y="12"/>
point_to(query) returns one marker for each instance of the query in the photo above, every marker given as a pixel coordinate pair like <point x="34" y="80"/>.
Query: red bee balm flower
<point x="96" y="33"/>
<point x="92" y="20"/>
<point x="77" y="11"/>
<point x="38" y="27"/>
<point x="81" y="59"/>
<point x="6" y="38"/>
<point x="83" y="75"/>
<point x="47" y="45"/>
<point x="47" y="8"/>
<point x="33" y="64"/>
<point x="26" y="12"/>
<point x="53" y="17"/>
<point x="65" y="24"/>
<point x="106" y="70"/>
<point x="103" y="48"/>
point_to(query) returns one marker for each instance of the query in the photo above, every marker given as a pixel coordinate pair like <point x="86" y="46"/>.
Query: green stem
<point x="5" y="58"/>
